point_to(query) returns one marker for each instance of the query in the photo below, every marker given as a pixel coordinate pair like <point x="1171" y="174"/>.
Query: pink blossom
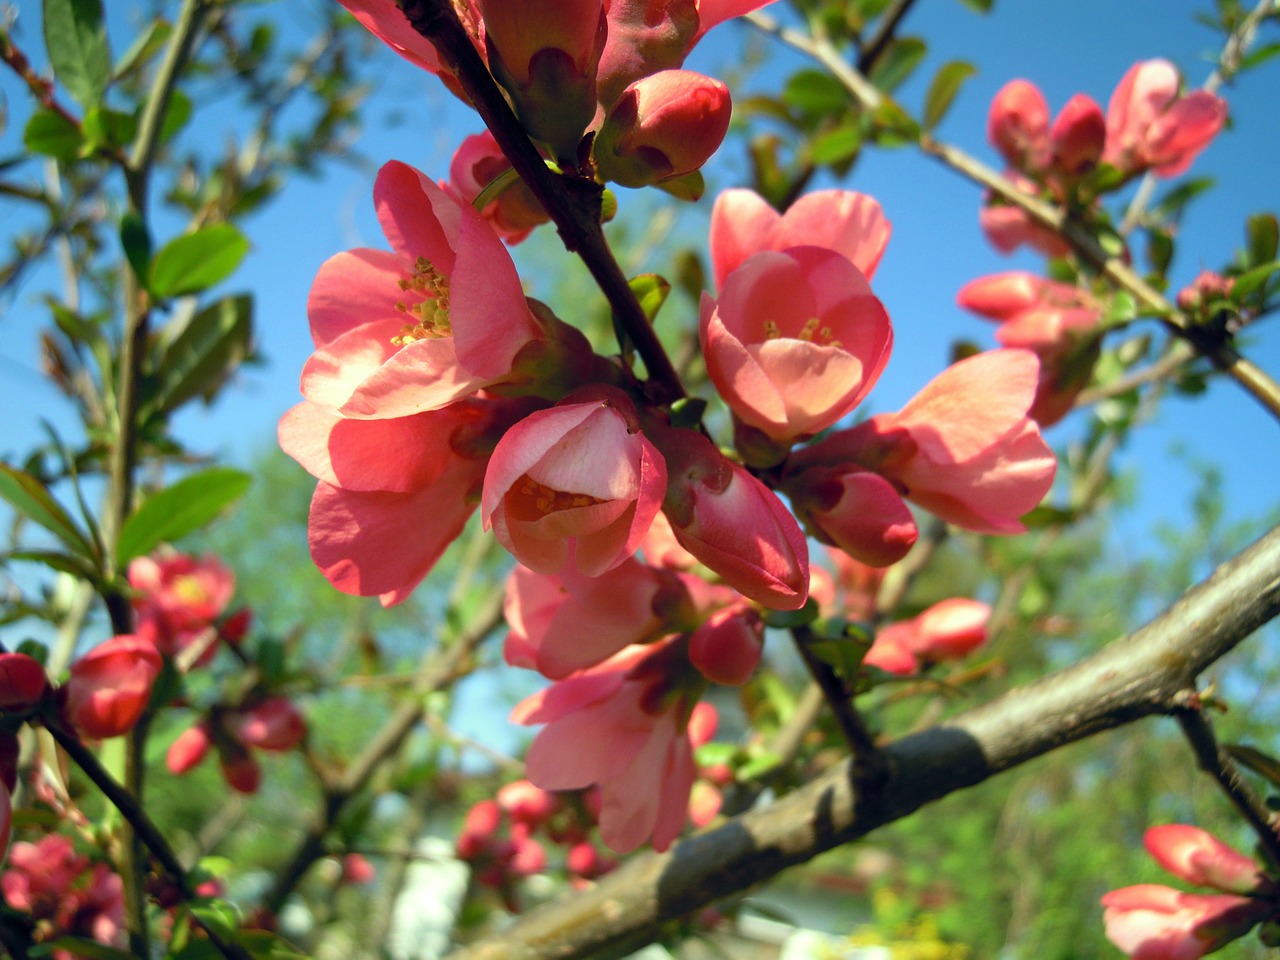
<point x="1150" y="126"/>
<point x="478" y="162"/>
<point x="273" y="724"/>
<point x="855" y="509"/>
<point x="662" y="127"/>
<point x="356" y="869"/>
<point x="525" y="802"/>
<point x="621" y="725"/>
<point x="743" y="223"/>
<point x="385" y="20"/>
<point x="177" y="598"/>
<point x="1008" y="227"/>
<point x="726" y="649"/>
<point x="1018" y="125"/>
<point x="795" y="342"/>
<point x="189" y="749"/>
<point x="1198" y="857"/>
<point x="1207" y="287"/>
<point x="733" y="523"/>
<point x="661" y="548"/>
<point x="435" y="320"/>
<point x="567" y="621"/>
<point x="1078" y="136"/>
<point x="857" y="584"/>
<point x="948" y="630"/>
<point x="64" y="893"/>
<point x="578" y="478"/>
<point x="1152" y="922"/>
<point x="109" y="686"/>
<point x="963" y="448"/>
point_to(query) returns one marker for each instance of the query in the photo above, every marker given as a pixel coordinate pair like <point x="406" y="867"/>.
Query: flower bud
<point x="662" y="127"/>
<point x="22" y="683"/>
<point x="1079" y="134"/>
<point x="191" y="747"/>
<point x="1018" y="125"/>
<point x="109" y="687"/>
<point x="726" y="649"/>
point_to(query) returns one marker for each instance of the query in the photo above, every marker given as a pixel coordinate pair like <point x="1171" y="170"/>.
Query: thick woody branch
<point x="573" y="203"/>
<point x="1144" y="673"/>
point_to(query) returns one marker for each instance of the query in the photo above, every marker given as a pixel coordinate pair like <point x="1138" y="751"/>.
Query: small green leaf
<point x="145" y="46"/>
<point x="207" y="351"/>
<point x="787" y="619"/>
<point x="1262" y="233"/>
<point x="897" y="63"/>
<point x="29" y="497"/>
<point x="176" y="115"/>
<point x="894" y="126"/>
<point x="136" y="242"/>
<point x="107" y="130"/>
<point x="51" y="134"/>
<point x="981" y="6"/>
<point x="55" y="560"/>
<point x="758" y="765"/>
<point x="651" y="290"/>
<point x="1259" y="57"/>
<point x="836" y="146"/>
<point x="180" y="509"/>
<point x="815" y="93"/>
<point x="196" y="261"/>
<point x="689" y="187"/>
<point x="76" y="37"/>
<point x="1252" y="280"/>
<point x="942" y="91"/>
<point x="80" y="947"/>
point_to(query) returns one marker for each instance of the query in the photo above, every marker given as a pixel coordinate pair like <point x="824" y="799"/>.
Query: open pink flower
<point x="795" y="341"/>
<point x="435" y="320"/>
<point x="1150" y="126"/>
<point x="393" y="493"/>
<point x="578" y="478"/>
<point x="963" y="448"/>
<point x="621" y="725"/>
<point x="109" y="686"/>
<point x="733" y="523"/>
<point x="1153" y="922"/>
<point x="385" y="20"/>
<point x="178" y="597"/>
<point x="567" y="621"/>
<point x="743" y="223"/>
<point x="948" y="630"/>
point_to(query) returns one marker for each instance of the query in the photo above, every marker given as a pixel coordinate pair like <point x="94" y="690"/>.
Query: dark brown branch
<point x="572" y="202"/>
<point x="1137" y="676"/>
<point x="866" y="759"/>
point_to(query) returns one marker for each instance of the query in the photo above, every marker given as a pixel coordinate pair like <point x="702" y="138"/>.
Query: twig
<point x="1137" y="676"/>
<point x="573" y="203"/>
<point x="1216" y="762"/>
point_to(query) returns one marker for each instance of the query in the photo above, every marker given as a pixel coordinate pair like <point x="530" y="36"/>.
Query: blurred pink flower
<point x="1152" y="922"/>
<point x="948" y="630"/>
<point x="1200" y="858"/>
<point x="109" y="687"/>
<point x="177" y="597"/>
<point x="1151" y="126"/>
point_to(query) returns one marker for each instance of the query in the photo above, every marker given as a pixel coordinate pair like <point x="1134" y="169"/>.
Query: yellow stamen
<point x="431" y="314"/>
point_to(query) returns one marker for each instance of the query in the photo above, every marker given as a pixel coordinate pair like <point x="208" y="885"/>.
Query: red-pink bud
<point x="526" y="802"/>
<point x="356" y="869"/>
<point x="274" y="724"/>
<point x="1018" y="125"/>
<point x="239" y="769"/>
<point x="189" y="749"/>
<point x="726" y="649"/>
<point x="110" y="685"/>
<point x="1151" y="922"/>
<point x="1198" y="857"/>
<point x="1079" y="134"/>
<point x="478" y="162"/>
<point x="663" y="126"/>
<point x="22" y="683"/>
<point x="950" y="629"/>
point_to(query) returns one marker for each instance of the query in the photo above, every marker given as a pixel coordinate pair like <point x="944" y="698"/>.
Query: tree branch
<point x="1136" y="676"/>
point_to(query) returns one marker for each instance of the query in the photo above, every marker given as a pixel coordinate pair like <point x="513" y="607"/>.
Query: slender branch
<point x="573" y="203"/>
<point x="1140" y="675"/>
<point x="879" y="41"/>
<point x="866" y="761"/>
<point x="142" y="827"/>
<point x="1219" y="350"/>
<point x="1216" y="762"/>
<point x="439" y="669"/>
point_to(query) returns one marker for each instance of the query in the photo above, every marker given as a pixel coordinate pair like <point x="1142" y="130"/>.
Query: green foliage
<point x="180" y="509"/>
<point x="196" y="261"/>
<point x="76" y="38"/>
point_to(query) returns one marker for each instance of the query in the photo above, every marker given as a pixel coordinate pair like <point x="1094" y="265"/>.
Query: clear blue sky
<point x="1064" y="46"/>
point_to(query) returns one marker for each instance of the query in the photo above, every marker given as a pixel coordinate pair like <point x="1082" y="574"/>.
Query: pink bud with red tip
<point x="662" y="127"/>
<point x="1018" y="125"/>
<point x="1078" y="136"/>
<point x="1149" y="921"/>
<point x="109" y="687"/>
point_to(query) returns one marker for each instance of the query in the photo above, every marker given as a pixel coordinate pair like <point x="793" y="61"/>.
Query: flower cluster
<point x="437" y="387"/>
<point x="1151" y="922"/>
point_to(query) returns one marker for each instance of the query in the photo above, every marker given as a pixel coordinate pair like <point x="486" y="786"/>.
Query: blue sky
<point x="1064" y="46"/>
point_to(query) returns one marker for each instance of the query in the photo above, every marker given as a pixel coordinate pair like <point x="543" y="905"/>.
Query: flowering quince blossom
<point x="1154" y="922"/>
<point x="963" y="448"/>
<point x="579" y="478"/>
<point x="109" y="686"/>
<point x="1151" y="127"/>
<point x="1007" y="227"/>
<point x="743" y="223"/>
<point x="1200" y="293"/>
<point x="380" y="479"/>
<point x="948" y="630"/>
<point x="178" y="599"/>
<point x="623" y="725"/>
<point x="795" y="341"/>
<point x="23" y="683"/>
<point x="1059" y="322"/>
<point x="64" y="894"/>
<point x="435" y="320"/>
<point x="478" y="162"/>
<point x="1018" y="125"/>
<point x="273" y="725"/>
<point x="733" y="523"/>
<point x="385" y="20"/>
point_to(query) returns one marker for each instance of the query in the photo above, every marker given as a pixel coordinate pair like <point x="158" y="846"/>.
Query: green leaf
<point x="1263" y="235"/>
<point x="1258" y="57"/>
<point x="894" y="126"/>
<point x="180" y="509"/>
<point x="651" y="290"/>
<point x="55" y="560"/>
<point x="207" y="351"/>
<point x="688" y="187"/>
<point x="136" y="242"/>
<point x="145" y="46"/>
<point x="51" y="134"/>
<point x="786" y="619"/>
<point x="176" y="115"/>
<point x="815" y="93"/>
<point x="981" y="6"/>
<point x="1171" y="205"/>
<point x="80" y="947"/>
<point x="898" y="62"/>
<point x="108" y="130"/>
<point x="1252" y="280"/>
<point x="1260" y="763"/>
<point x="196" y="261"/>
<point x="76" y="37"/>
<point x="942" y="91"/>
<point x="836" y="146"/>
<point x="29" y="497"/>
